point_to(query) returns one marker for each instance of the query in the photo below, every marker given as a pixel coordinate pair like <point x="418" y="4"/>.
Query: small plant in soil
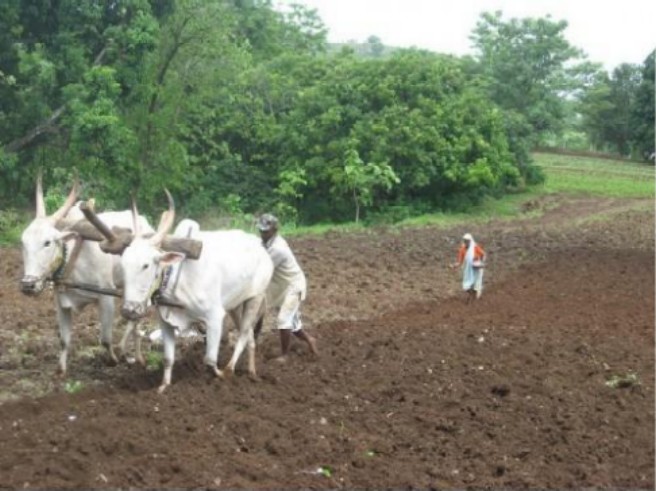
<point x="154" y="360"/>
<point x="73" y="386"/>
<point x="623" y="381"/>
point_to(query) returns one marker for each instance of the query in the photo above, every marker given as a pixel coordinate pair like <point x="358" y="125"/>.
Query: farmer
<point x="471" y="257"/>
<point x="288" y="286"/>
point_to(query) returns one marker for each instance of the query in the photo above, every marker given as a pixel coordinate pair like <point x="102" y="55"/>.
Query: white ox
<point x="189" y="229"/>
<point x="231" y="274"/>
<point x="46" y="251"/>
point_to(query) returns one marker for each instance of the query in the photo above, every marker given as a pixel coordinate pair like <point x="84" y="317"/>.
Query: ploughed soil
<point x="546" y="382"/>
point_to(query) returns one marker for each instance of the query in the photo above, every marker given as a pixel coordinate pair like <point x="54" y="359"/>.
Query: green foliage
<point x="154" y="360"/>
<point x="606" y="109"/>
<point x="359" y="179"/>
<point x="73" y="386"/>
<point x="11" y="226"/>
<point x="642" y="115"/>
<point x="289" y="191"/>
<point x="237" y="107"/>
<point x="527" y="65"/>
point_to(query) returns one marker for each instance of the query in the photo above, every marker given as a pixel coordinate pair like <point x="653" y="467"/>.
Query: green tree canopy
<point x="529" y="66"/>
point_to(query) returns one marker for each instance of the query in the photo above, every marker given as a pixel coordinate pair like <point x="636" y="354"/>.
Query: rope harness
<point x="158" y="288"/>
<point x="58" y="273"/>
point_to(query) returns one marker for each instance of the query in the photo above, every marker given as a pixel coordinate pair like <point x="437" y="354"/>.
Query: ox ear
<point x="171" y="258"/>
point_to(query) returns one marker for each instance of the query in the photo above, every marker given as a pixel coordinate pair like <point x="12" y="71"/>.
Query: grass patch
<point x="323" y="228"/>
<point x="596" y="177"/>
<point x="509" y="207"/>
<point x="154" y="361"/>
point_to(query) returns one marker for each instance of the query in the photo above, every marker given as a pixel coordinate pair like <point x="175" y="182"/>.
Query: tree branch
<point x="47" y="126"/>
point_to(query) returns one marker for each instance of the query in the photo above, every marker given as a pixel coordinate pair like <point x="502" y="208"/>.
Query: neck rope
<point x="61" y="259"/>
<point x="160" y="284"/>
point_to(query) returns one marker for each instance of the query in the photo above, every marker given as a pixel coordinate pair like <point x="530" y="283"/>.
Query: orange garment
<point x="479" y="253"/>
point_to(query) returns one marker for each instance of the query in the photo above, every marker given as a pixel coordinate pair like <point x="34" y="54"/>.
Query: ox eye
<point x="144" y="267"/>
<point x="47" y="243"/>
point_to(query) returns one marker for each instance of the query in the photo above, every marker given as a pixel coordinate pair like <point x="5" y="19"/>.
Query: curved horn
<point x="136" y="229"/>
<point x="40" y="204"/>
<point x="70" y="201"/>
<point x="87" y="209"/>
<point x="166" y="221"/>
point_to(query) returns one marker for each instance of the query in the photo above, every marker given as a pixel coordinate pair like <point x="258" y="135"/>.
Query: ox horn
<point x="87" y="207"/>
<point x="165" y="222"/>
<point x="68" y="204"/>
<point x="40" y="204"/>
<point x="136" y="229"/>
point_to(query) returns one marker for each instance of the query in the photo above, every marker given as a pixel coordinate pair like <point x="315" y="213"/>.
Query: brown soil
<point x="413" y="387"/>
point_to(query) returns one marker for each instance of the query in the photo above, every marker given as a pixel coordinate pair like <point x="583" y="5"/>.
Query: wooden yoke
<point x="116" y="240"/>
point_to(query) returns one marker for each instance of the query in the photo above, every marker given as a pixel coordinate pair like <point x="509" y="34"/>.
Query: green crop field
<point x="597" y="177"/>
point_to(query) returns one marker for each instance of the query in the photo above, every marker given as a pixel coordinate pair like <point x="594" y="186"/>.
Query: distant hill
<point x="372" y="48"/>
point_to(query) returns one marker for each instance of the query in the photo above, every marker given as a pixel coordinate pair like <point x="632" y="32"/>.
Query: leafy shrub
<point x="11" y="226"/>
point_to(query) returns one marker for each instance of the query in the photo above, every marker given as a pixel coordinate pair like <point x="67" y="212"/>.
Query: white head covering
<point x="266" y="222"/>
<point x="469" y="255"/>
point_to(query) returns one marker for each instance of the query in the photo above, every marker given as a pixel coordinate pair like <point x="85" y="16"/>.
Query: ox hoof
<point x="112" y="359"/>
<point x="254" y="377"/>
<point x="162" y="388"/>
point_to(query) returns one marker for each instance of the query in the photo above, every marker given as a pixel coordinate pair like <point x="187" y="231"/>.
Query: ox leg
<point x="168" y="339"/>
<point x="236" y="316"/>
<point x="123" y="352"/>
<point x="250" y="313"/>
<point x="131" y="330"/>
<point x="137" y="335"/>
<point x="65" y="323"/>
<point x="106" y="306"/>
<point x="213" y="339"/>
<point x="259" y="323"/>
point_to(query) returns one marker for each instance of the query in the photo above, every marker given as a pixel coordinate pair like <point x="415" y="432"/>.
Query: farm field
<point x="546" y="382"/>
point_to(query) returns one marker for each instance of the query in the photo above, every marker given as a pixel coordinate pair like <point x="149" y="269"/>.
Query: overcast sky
<point x="608" y="31"/>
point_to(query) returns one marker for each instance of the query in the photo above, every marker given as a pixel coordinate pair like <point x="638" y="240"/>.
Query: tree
<point x="526" y="63"/>
<point x="606" y="109"/>
<point x="56" y="58"/>
<point x="642" y="112"/>
<point x="360" y="179"/>
<point x="376" y="47"/>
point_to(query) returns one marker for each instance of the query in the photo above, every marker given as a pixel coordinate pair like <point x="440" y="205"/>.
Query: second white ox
<point x="232" y="273"/>
<point x="46" y="253"/>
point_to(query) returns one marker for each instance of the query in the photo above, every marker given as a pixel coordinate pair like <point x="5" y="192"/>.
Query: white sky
<point x="608" y="31"/>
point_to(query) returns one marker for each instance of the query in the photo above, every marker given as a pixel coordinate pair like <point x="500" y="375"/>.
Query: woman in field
<point x="471" y="257"/>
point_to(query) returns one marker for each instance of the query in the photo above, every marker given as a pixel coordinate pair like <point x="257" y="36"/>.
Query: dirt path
<point x="412" y="389"/>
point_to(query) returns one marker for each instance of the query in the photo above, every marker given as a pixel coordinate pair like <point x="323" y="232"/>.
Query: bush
<point x="11" y="227"/>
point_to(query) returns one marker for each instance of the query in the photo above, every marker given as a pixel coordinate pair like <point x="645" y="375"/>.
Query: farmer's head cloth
<point x="267" y="222"/>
